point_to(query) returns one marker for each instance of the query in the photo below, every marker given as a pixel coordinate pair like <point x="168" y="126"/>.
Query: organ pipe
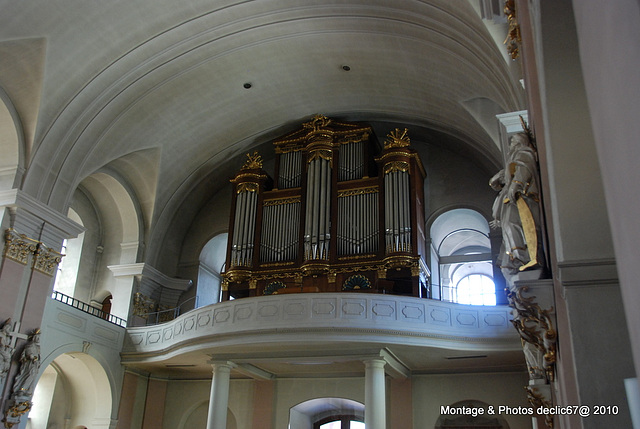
<point x="331" y="215"/>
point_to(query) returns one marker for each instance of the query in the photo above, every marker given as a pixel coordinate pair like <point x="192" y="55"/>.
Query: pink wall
<point x="154" y="406"/>
<point x="400" y="403"/>
<point x="263" y="405"/>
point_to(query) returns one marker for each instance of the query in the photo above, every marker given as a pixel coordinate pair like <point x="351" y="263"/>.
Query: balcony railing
<point x="86" y="308"/>
<point x="162" y="316"/>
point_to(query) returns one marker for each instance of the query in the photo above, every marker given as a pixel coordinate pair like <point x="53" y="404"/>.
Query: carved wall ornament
<point x="358" y="191"/>
<point x="46" y="260"/>
<point x="15" y="411"/>
<point x="317" y="123"/>
<point x="538" y="399"/>
<point x="247" y="187"/>
<point x="6" y="349"/>
<point x="325" y="154"/>
<point x="253" y="162"/>
<point x="18" y="247"/>
<point x="281" y="201"/>
<point x="392" y="166"/>
<point x="514" y="38"/>
<point x="142" y="305"/>
<point x="537" y="331"/>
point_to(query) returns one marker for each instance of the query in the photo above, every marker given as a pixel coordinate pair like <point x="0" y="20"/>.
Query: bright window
<point x="342" y="424"/>
<point x="476" y="289"/>
<point x="339" y="422"/>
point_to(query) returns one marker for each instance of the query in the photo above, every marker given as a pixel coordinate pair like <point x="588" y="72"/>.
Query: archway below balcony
<point x="327" y="413"/>
<point x="73" y="391"/>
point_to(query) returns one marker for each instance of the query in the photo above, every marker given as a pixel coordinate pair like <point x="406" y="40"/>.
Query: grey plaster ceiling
<point x="92" y="83"/>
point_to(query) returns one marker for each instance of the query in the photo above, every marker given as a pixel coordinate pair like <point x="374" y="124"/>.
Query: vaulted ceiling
<point x="165" y="93"/>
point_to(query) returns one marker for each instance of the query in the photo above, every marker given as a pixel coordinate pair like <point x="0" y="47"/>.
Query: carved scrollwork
<point x="538" y="399"/>
<point x="392" y="166"/>
<point x="537" y="331"/>
<point x="247" y="187"/>
<point x="514" y="38"/>
<point x="325" y="154"/>
<point x="14" y="412"/>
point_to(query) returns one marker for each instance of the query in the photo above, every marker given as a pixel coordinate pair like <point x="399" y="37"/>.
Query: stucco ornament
<point x="6" y="350"/>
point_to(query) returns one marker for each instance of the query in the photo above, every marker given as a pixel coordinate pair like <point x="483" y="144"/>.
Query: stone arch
<point x="119" y="239"/>
<point x="195" y="417"/>
<point x="74" y="390"/>
<point x="306" y="413"/>
<point x="12" y="144"/>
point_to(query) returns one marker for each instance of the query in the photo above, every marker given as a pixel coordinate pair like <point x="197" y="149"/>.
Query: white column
<point x="219" y="398"/>
<point x="375" y="406"/>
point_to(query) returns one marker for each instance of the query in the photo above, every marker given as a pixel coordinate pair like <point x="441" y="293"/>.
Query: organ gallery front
<point x="339" y="214"/>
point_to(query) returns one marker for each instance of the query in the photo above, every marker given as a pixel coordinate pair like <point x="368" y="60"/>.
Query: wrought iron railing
<point x="166" y="315"/>
<point x="86" y="308"/>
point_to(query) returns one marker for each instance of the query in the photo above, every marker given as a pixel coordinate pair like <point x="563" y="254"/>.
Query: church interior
<point x="293" y="214"/>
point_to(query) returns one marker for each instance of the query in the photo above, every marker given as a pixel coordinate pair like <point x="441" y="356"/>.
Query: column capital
<point x="374" y="362"/>
<point x="217" y="365"/>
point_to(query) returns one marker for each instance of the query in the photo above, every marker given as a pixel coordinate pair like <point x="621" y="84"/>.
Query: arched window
<point x="67" y="273"/>
<point x="476" y="289"/>
<point x="462" y="271"/>
<point x="212" y="259"/>
<point x="339" y="422"/>
<point x="327" y="413"/>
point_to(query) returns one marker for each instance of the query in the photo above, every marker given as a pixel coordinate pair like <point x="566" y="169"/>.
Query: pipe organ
<point x="340" y="214"/>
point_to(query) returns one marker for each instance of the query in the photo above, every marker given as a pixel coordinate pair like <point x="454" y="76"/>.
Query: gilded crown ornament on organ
<point x="253" y="162"/>
<point x="397" y="138"/>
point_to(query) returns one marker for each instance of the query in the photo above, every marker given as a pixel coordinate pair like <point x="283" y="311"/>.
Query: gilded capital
<point x="18" y="247"/>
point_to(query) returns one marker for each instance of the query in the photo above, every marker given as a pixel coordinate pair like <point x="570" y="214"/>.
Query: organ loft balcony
<point x="325" y="267"/>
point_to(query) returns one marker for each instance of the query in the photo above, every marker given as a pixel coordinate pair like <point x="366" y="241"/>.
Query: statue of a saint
<point x="516" y="208"/>
<point x="24" y="382"/>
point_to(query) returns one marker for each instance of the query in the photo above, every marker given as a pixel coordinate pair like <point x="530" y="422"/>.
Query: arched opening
<point x="73" y="391"/>
<point x="106" y="304"/>
<point x="462" y="270"/>
<point x="212" y="258"/>
<point x="327" y="413"/>
<point x="67" y="274"/>
<point x="115" y="232"/>
<point x="196" y="418"/>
